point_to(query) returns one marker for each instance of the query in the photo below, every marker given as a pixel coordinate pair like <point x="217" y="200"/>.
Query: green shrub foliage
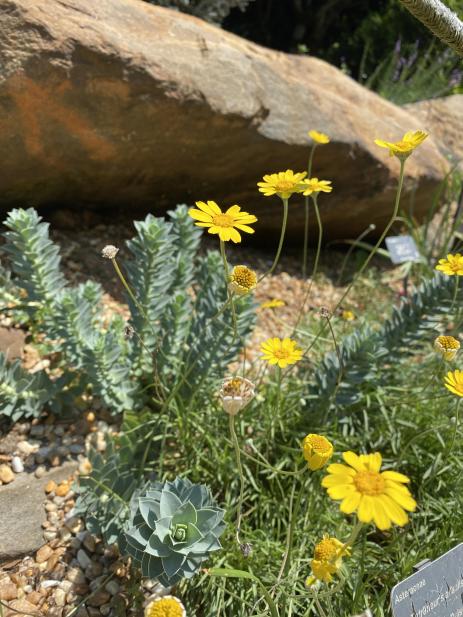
<point x="176" y="337"/>
<point x="365" y="354"/>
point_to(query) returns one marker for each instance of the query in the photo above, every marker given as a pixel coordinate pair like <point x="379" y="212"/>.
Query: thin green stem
<point x="229" y="292"/>
<point x="317" y="259"/>
<point x="355" y="532"/>
<point x="352" y="246"/>
<point x="383" y="235"/>
<point x="371" y="254"/>
<point x="455" y="432"/>
<point x="306" y="237"/>
<point x="319" y="607"/>
<point x="236" y="446"/>
<point x="281" y="242"/>
<point x="309" y="166"/>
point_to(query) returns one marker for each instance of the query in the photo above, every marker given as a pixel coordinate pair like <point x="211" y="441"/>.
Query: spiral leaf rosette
<point x="173" y="528"/>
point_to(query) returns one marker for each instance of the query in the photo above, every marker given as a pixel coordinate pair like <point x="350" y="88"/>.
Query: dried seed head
<point x="109" y="252"/>
<point x="128" y="331"/>
<point x="235" y="394"/>
<point x="246" y="549"/>
<point x="325" y="313"/>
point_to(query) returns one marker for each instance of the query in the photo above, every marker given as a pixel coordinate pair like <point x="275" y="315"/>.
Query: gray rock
<point x="22" y="512"/>
<point x="83" y="559"/>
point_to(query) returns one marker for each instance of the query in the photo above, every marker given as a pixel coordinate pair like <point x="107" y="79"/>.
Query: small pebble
<point x="50" y="487"/>
<point x="8" y="591"/>
<point x="6" y="474"/>
<point x="83" y="559"/>
<point x="34" y="597"/>
<point x="98" y="598"/>
<point x="49" y="534"/>
<point x="60" y="597"/>
<point x="27" y="448"/>
<point x="62" y="489"/>
<point x="112" y="587"/>
<point x="43" y="554"/>
<point x="17" y="464"/>
<point x="40" y="471"/>
<point x="49" y="583"/>
<point x="75" y="575"/>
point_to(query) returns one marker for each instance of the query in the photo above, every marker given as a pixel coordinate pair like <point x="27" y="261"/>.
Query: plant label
<point x="435" y="590"/>
<point x="402" y="249"/>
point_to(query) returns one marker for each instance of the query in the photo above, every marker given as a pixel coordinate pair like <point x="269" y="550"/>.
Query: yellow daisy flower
<point x="319" y="138"/>
<point x="454" y="382"/>
<point x="447" y="346"/>
<point x="452" y="265"/>
<point x="403" y="148"/>
<point x="167" y="606"/>
<point x="314" y="185"/>
<point x="283" y="184"/>
<point x="317" y="451"/>
<point x="242" y="280"/>
<point x="281" y="351"/>
<point x="269" y="304"/>
<point x="328" y="554"/>
<point x="348" y="315"/>
<point x="378" y="497"/>
<point x="225" y="224"/>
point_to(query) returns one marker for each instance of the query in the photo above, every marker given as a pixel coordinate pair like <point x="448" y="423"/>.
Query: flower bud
<point x="317" y="451"/>
<point x="235" y="394"/>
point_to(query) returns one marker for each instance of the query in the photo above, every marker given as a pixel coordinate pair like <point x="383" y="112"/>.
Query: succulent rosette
<point x="173" y="528"/>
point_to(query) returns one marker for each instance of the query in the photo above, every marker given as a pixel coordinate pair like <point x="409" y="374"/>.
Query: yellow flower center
<point x="281" y="354"/>
<point x="285" y="185"/>
<point x="244" y="277"/>
<point x="325" y="550"/>
<point x="320" y="444"/>
<point x="166" y="607"/>
<point x="448" y="342"/>
<point x="369" y="483"/>
<point x="223" y="220"/>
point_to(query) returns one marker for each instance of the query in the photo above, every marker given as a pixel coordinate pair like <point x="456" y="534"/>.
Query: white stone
<point x="17" y="464"/>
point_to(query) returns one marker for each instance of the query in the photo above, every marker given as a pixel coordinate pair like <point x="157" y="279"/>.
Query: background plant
<point x="177" y="291"/>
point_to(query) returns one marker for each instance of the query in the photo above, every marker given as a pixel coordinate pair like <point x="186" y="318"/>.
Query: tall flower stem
<point x="282" y="239"/>
<point x="306" y="217"/>
<point x="354" y="534"/>
<point x="317" y="259"/>
<point x="457" y="422"/>
<point x="239" y="466"/>
<point x="230" y="293"/>
<point x="306" y="237"/>
<point x="372" y="253"/>
<point x="383" y="235"/>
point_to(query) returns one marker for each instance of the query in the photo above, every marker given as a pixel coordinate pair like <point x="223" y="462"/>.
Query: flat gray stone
<point x="22" y="512"/>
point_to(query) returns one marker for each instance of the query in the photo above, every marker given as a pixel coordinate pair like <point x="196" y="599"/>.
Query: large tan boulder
<point x="121" y="104"/>
<point x="443" y="117"/>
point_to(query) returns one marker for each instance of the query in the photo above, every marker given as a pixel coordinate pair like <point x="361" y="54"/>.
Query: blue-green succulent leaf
<point x="163" y="527"/>
<point x="185" y="514"/>
<point x="149" y="509"/>
<point x="173" y="563"/>
<point x="157" y="548"/>
<point x="169" y="504"/>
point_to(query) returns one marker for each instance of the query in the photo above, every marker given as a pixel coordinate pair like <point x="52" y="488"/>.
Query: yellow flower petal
<point x="354" y="461"/>
<point x="365" y="509"/>
<point x="350" y="503"/>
